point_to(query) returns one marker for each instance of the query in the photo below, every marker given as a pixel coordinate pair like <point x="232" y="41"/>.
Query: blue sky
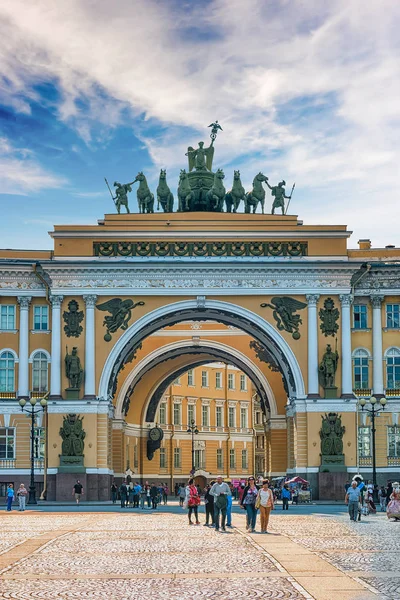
<point x="307" y="91"/>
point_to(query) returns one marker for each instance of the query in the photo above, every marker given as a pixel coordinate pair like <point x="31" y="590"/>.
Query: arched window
<point x="361" y="369"/>
<point x="39" y="372"/>
<point x="393" y="369"/>
<point x="7" y="372"/>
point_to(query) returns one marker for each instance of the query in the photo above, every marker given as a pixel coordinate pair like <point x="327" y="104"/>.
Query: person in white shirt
<point x="220" y="490"/>
<point x="266" y="501"/>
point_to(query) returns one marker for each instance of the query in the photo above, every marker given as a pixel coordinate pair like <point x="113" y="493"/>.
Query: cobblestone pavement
<point x="137" y="556"/>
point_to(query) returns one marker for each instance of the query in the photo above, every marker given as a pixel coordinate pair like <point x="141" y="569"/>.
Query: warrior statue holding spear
<point x="121" y="194"/>
<point x="279" y="193"/>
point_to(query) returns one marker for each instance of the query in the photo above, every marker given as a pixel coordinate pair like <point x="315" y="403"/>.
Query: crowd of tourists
<point x="134" y="495"/>
<point x="362" y="498"/>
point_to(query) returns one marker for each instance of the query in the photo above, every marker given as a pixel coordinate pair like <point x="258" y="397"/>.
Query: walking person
<point x="393" y="508"/>
<point x="192" y="500"/>
<point x="265" y="502"/>
<point x="10" y="496"/>
<point x="209" y="505"/>
<point x="131" y="494"/>
<point x="220" y="490"/>
<point x="148" y="495"/>
<point x="154" y="495"/>
<point x="285" y="495"/>
<point x="352" y="498"/>
<point x="382" y="498"/>
<point x="143" y="496"/>
<point x="229" y="506"/>
<point x="77" y="491"/>
<point x="114" y="492"/>
<point x="123" y="492"/>
<point x="182" y="494"/>
<point x="137" y="488"/>
<point x="22" y="493"/>
<point x="249" y="504"/>
<point x="165" y="493"/>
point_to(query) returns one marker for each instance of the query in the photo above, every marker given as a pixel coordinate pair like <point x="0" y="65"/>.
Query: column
<point x="313" y="385"/>
<point x="347" y="382"/>
<point x="90" y="349"/>
<point x="377" y="354"/>
<point x="23" y="370"/>
<point x="55" y="379"/>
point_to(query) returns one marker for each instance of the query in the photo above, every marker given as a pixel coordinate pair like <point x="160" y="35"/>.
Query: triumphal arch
<point x="119" y="311"/>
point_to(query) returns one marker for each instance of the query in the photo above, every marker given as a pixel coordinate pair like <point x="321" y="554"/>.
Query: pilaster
<point x="347" y="383"/>
<point x="313" y="385"/>
<point x="90" y="347"/>
<point x="377" y="352"/>
<point x="23" y="378"/>
<point x="55" y="378"/>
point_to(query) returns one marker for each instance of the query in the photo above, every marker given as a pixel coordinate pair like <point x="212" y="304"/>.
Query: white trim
<point x="102" y="471"/>
<point x="15" y="355"/>
<point x="182" y="344"/>
<point x="369" y="469"/>
<point x="386" y="353"/>
<point x="190" y="304"/>
<point x="261" y="235"/>
<point x="353" y="354"/>
<point x="39" y="350"/>
<point x="11" y="472"/>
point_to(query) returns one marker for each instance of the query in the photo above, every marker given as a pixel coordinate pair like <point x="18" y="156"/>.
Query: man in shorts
<point x="77" y="491"/>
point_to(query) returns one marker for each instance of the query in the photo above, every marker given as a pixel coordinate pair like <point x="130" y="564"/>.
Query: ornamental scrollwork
<point x="73" y="318"/>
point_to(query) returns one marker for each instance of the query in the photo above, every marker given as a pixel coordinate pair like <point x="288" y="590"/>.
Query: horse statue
<point x="164" y="194"/>
<point x="144" y="196"/>
<point x="185" y="193"/>
<point x="216" y="194"/>
<point x="237" y="193"/>
<point x="256" y="195"/>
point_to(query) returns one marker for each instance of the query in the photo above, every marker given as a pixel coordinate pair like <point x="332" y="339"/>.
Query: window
<point x="162" y="414"/>
<point x="260" y="441"/>
<point x="243" y="383"/>
<point x="7" y="442"/>
<point x="205" y="416"/>
<point x="199" y="459"/>
<point x="232" y="458"/>
<point x="135" y="456"/>
<point x="204" y="379"/>
<point x="231" y="416"/>
<point x="392" y="316"/>
<point x="177" y="414"/>
<point x="7" y="316"/>
<point x="220" y="459"/>
<point x="361" y="369"/>
<point x="258" y="417"/>
<point x="7" y="372"/>
<point x="40" y="318"/>
<point x="219" y="417"/>
<point x="163" y="458"/>
<point x="393" y="369"/>
<point x="218" y="380"/>
<point x="360" y="316"/>
<point x="191" y="413"/>
<point x="177" y="458"/>
<point x="39" y="372"/>
<point x="177" y="381"/>
<point x="245" y="464"/>
<point x="231" y="381"/>
<point x="190" y="375"/>
<point x="394" y="441"/>
<point x="364" y="442"/>
<point x="243" y="418"/>
<point x="39" y="442"/>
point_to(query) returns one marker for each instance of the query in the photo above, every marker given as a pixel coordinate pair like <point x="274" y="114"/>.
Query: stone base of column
<point x="313" y="397"/>
<point x="23" y="397"/>
<point x="347" y="396"/>
<point x="378" y="396"/>
<point x="89" y="397"/>
<point x="55" y="397"/>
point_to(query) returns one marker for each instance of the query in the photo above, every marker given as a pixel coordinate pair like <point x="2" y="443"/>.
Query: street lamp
<point x="376" y="406"/>
<point x="192" y="428"/>
<point x="32" y="412"/>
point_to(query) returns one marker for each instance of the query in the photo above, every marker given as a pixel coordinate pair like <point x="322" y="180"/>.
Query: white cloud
<point x="252" y="65"/>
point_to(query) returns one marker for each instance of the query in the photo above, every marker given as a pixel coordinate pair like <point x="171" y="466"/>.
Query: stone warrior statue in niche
<point x="73" y="435"/>
<point x="73" y="369"/>
<point x="331" y="435"/>
<point x="328" y="367"/>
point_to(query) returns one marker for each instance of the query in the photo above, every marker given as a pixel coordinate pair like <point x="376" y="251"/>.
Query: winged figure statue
<point x="283" y="312"/>
<point x="121" y="313"/>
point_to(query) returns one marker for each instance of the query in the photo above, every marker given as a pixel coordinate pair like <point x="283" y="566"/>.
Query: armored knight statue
<point x="73" y="369"/>
<point x="279" y="193"/>
<point x="73" y="435"/>
<point x="327" y="371"/>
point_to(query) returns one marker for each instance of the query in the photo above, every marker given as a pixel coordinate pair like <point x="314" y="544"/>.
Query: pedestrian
<point x="229" y="506"/>
<point x="77" y="491"/>
<point x="22" y="493"/>
<point x="249" y="504"/>
<point x="295" y="496"/>
<point x="192" y="501"/>
<point x="10" y="496"/>
<point x="220" y="490"/>
<point x="389" y="490"/>
<point x="148" y="495"/>
<point x="393" y="508"/>
<point x="346" y="486"/>
<point x="114" y="492"/>
<point x="137" y="488"/>
<point x="362" y="487"/>
<point x="131" y="494"/>
<point x="382" y="498"/>
<point x="265" y="502"/>
<point x="182" y="494"/>
<point x="352" y="498"/>
<point x="154" y="495"/>
<point x="165" y="493"/>
<point x="240" y="492"/>
<point x="123" y="492"/>
<point x="143" y="496"/>
<point x="176" y="489"/>
<point x="209" y="504"/>
<point x="285" y="495"/>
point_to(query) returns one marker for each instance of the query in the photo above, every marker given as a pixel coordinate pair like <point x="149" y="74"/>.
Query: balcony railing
<point x="394" y="393"/>
<point x="393" y="461"/>
<point x="8" y="395"/>
<point x="365" y="461"/>
<point x="363" y="393"/>
<point x="7" y="463"/>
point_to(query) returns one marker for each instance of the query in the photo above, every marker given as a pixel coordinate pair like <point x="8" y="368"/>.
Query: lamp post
<point x="192" y="428"/>
<point x="32" y="412"/>
<point x="376" y="407"/>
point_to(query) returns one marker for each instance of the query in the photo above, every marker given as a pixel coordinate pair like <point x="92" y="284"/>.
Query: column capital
<point x="376" y="301"/>
<point x="56" y="301"/>
<point x="24" y="302"/>
<point x="346" y="299"/>
<point x="90" y="300"/>
<point x="312" y="299"/>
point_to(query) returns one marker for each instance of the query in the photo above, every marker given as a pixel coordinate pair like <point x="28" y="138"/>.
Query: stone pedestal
<point x="71" y="464"/>
<point x="64" y="485"/>
<point x="72" y="393"/>
<point x="331" y="392"/>
<point x="331" y="485"/>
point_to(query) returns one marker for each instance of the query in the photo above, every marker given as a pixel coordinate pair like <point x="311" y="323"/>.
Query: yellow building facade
<point x="160" y="296"/>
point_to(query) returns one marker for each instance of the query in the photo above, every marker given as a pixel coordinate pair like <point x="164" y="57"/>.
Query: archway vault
<point x="202" y="309"/>
<point x="203" y="352"/>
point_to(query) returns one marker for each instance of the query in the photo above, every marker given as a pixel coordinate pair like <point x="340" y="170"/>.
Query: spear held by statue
<point x="109" y="189"/>
<point x="290" y="197"/>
